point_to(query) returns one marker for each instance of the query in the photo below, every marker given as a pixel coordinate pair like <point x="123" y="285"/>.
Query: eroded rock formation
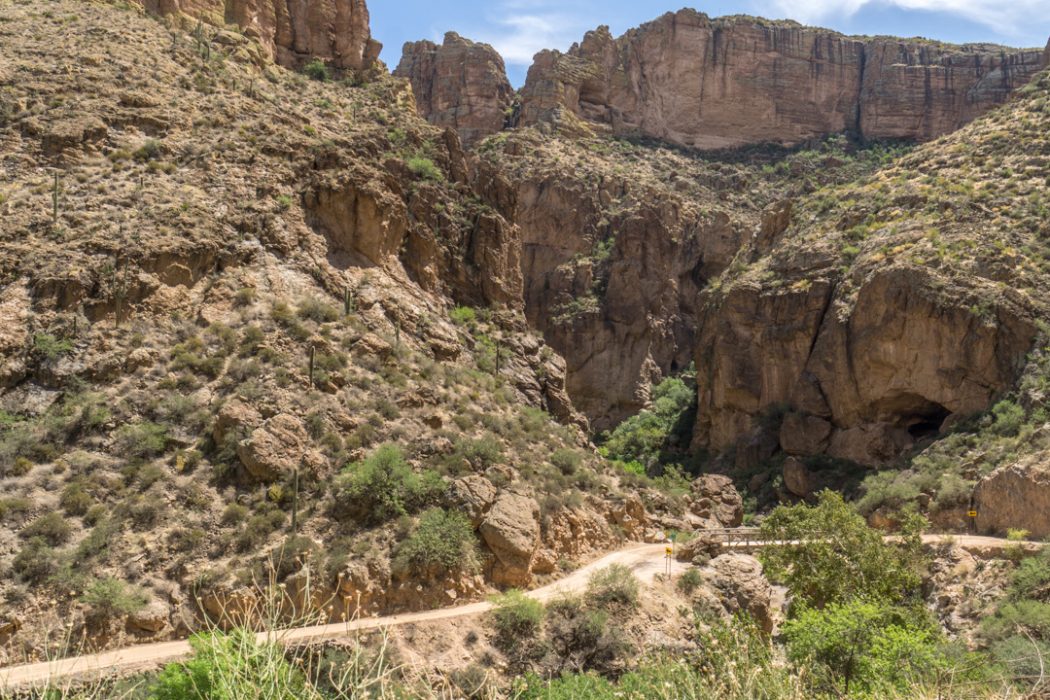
<point x="715" y="83"/>
<point x="460" y="85"/>
<point x="336" y="31"/>
<point x="1016" y="496"/>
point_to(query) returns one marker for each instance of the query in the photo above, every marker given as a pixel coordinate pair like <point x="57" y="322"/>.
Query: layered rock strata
<point x="717" y="83"/>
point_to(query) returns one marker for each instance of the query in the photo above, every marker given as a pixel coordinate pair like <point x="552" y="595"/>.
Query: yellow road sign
<point x="668" y="551"/>
<point x="972" y="514"/>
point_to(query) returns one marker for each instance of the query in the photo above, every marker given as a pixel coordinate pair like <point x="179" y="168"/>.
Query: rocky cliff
<point x="460" y="85"/>
<point x="714" y="83"/>
<point x="336" y="31"/>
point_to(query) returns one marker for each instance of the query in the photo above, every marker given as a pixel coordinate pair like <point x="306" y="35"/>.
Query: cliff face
<point x="460" y="85"/>
<point x="295" y="32"/>
<point x="731" y="81"/>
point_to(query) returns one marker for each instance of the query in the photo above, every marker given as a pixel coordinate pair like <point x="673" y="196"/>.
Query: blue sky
<point x="520" y="28"/>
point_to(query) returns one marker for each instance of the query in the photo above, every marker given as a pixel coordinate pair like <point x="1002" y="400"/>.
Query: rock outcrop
<point x="734" y="584"/>
<point x="511" y="529"/>
<point x="1016" y="496"/>
<point x="716" y="501"/>
<point x="883" y="369"/>
<point x="278" y="448"/>
<point x="716" y="83"/>
<point x="336" y="31"/>
<point x="459" y="84"/>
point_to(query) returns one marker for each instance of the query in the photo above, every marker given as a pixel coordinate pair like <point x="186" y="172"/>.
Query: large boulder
<point x="798" y="480"/>
<point x="278" y="448"/>
<point x="474" y="495"/>
<point x="734" y="583"/>
<point x="716" y="501"/>
<point x="1016" y="496"/>
<point x="511" y="529"/>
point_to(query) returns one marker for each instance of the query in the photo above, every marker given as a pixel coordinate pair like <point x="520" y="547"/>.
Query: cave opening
<point x="929" y="422"/>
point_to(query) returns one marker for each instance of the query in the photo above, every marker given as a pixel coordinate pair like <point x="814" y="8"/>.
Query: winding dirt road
<point x="644" y="560"/>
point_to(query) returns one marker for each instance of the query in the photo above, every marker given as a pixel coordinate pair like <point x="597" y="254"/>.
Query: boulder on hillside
<point x="717" y="501"/>
<point x="804" y="435"/>
<point x="151" y="619"/>
<point x="474" y="495"/>
<point x="234" y="417"/>
<point x="798" y="480"/>
<point x="511" y="529"/>
<point x="278" y="448"/>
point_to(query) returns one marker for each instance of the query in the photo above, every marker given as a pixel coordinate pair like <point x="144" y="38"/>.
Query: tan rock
<point x="511" y="530"/>
<point x="1016" y="496"/>
<point x="733" y="584"/>
<point x="716" y="83"/>
<point x="293" y="33"/>
<point x="459" y="85"/>
<point x="277" y="449"/>
<point x="797" y="478"/>
<point x="234" y="417"/>
<point x="804" y="435"/>
<point x="474" y="495"/>
<point x="717" y="501"/>
<point x="152" y="619"/>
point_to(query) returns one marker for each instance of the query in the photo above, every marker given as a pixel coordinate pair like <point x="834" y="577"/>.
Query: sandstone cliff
<point x="714" y="83"/>
<point x="336" y="31"/>
<point x="460" y="85"/>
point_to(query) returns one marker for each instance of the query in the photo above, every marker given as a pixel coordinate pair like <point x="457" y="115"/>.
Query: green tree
<point x="656" y="435"/>
<point x="383" y="486"/>
<point x="836" y="557"/>
<point x="443" y="538"/>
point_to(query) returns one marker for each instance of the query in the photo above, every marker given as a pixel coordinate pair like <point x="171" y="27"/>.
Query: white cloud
<point x="1007" y="17"/>
<point x="521" y="28"/>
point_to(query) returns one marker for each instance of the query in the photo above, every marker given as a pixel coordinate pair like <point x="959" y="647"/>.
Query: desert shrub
<point x="75" y="499"/>
<point x="612" y="586"/>
<point x="51" y="348"/>
<point x="517" y="619"/>
<point x="315" y="309"/>
<point x="14" y="506"/>
<point x="258" y="528"/>
<point x="51" y="528"/>
<point x="582" y="638"/>
<point x="689" y="581"/>
<point x="110" y="596"/>
<point x="1018" y="633"/>
<point x="317" y="70"/>
<point x="383" y="486"/>
<point x="480" y="454"/>
<point x="1008" y="418"/>
<point x="234" y="514"/>
<point x="98" y="541"/>
<point x="142" y="440"/>
<point x="463" y="316"/>
<point x="35" y="561"/>
<point x="424" y="168"/>
<point x="567" y="461"/>
<point x="443" y="538"/>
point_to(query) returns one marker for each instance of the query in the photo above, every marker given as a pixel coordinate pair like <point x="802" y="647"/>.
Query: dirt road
<point x="644" y="560"/>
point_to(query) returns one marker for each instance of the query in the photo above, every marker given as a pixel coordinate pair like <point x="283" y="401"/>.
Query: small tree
<point x="517" y="619"/>
<point x="110" y="596"/>
<point x="317" y="70"/>
<point x="443" y="539"/>
<point x="612" y="586"/>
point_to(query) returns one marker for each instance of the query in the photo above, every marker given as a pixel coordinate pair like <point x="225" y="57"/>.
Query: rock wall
<point x="460" y="85"/>
<point x="862" y="374"/>
<point x="295" y="31"/>
<point x="731" y="81"/>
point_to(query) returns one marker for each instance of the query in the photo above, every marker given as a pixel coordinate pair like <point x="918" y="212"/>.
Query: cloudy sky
<point x="520" y="28"/>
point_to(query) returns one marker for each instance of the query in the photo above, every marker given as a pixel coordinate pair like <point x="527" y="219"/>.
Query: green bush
<point x="317" y="70"/>
<point x="689" y="581"/>
<point x="383" y="487"/>
<point x="109" y="597"/>
<point x="463" y="316"/>
<point x="863" y="646"/>
<point x="613" y="586"/>
<point x="35" y="562"/>
<point x="839" y="557"/>
<point x="658" y="435"/>
<point x="142" y="440"/>
<point x="75" y="499"/>
<point x="231" y="666"/>
<point x="517" y="619"/>
<point x="51" y="528"/>
<point x="442" y="539"/>
<point x="567" y="461"/>
<point x="582" y="638"/>
<point x="318" y="310"/>
<point x="49" y="347"/>
<point x="425" y="168"/>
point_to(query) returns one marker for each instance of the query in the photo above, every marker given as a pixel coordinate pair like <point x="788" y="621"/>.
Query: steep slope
<point x="715" y="83"/>
<point x="239" y="341"/>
